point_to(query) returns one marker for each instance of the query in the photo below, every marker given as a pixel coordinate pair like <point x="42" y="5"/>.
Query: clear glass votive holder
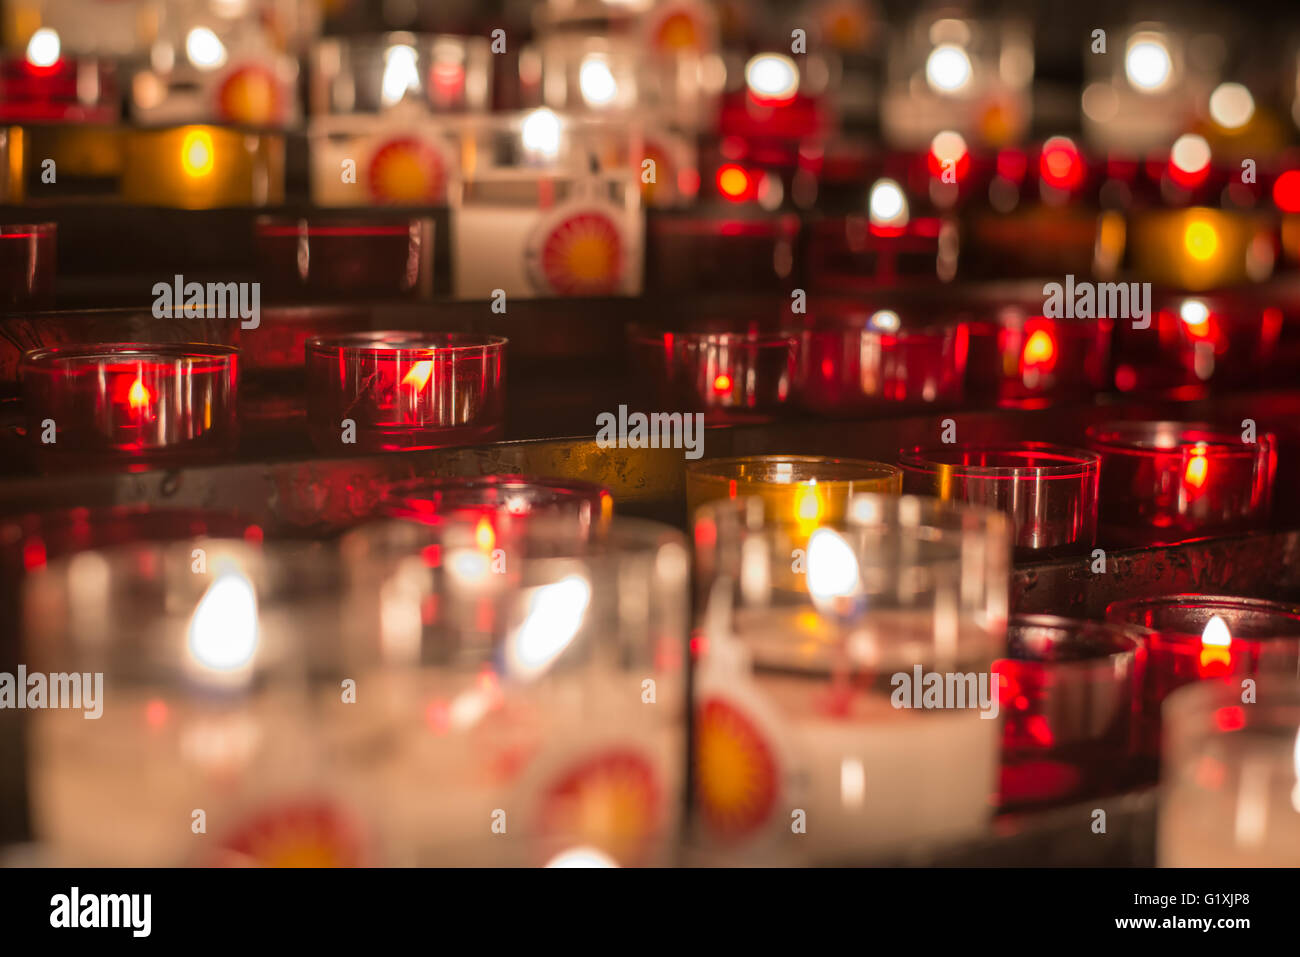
<point x="1164" y="482"/>
<point x="400" y="391"/>
<point x="493" y="501"/>
<point x="813" y="739"/>
<point x="1050" y="491"/>
<point x="1230" y="779"/>
<point x="198" y="738"/>
<point x="1068" y="692"/>
<point x="529" y="688"/>
<point x="131" y="405"/>
<point x="1206" y="637"/>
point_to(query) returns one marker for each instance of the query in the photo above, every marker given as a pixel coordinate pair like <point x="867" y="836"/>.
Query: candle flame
<point x="223" y="631"/>
<point x="197" y="153"/>
<point x="832" y="566"/>
<point x="417" y="377"/>
<point x="808" y="506"/>
<point x="138" y="397"/>
<point x="1198" y="467"/>
<point x="555" y="616"/>
<point x="1216" y="643"/>
<point x="722" y="383"/>
<point x="1040" y="350"/>
<point x="484" y="536"/>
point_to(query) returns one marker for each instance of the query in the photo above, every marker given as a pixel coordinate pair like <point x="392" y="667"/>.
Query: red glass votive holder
<point x="1028" y="361"/>
<point x="1186" y="644"/>
<point x="1050" y="491"/>
<point x="851" y="252"/>
<point x="855" y="359"/>
<point x="403" y="391"/>
<point x="1197" y="340"/>
<point x="374" y="258"/>
<point x="498" y="502"/>
<point x="133" y="405"/>
<point x="730" y="373"/>
<point x="701" y="252"/>
<point x="27" y="263"/>
<point x="1165" y="482"/>
<point x="1067" y="691"/>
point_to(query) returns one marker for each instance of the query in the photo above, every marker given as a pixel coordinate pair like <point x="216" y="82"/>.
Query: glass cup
<point x="1050" y="491"/>
<point x="1230" y="784"/>
<point x="1068" y="693"/>
<point x="404" y="390"/>
<point x="197" y="738"/>
<point x="528" y="689"/>
<point x="844" y="703"/>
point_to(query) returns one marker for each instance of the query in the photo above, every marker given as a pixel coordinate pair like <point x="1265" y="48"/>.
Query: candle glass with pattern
<point x="843" y="676"/>
<point x="530" y="685"/>
<point x="204" y="680"/>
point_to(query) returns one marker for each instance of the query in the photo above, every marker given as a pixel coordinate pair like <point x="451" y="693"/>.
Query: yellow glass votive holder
<point x="804" y="490"/>
<point x="203" y="167"/>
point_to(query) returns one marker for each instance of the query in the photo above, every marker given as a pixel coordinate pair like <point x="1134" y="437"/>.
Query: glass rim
<point x="1106" y="437"/>
<point x="766" y="338"/>
<point x="1076" y="463"/>
<point x="1123" y="610"/>
<point x="724" y="468"/>
<point x="46" y="355"/>
<point x="23" y="230"/>
<point x="386" y="38"/>
<point x="1124" y="638"/>
<point x="622" y="533"/>
<point x="570" y="488"/>
<point x="903" y="511"/>
<point x="360" y="224"/>
<point x="414" y="341"/>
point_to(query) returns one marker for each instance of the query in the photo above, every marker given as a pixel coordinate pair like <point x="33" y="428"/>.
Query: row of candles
<point x="496" y="674"/>
<point x="146" y="405"/>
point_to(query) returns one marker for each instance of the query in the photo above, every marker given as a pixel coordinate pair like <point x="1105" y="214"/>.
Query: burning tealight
<point x="1147" y="62"/>
<point x="392" y="391"/>
<point x="1164" y="482"/>
<point x="948" y="68"/>
<point x="772" y="78"/>
<point x="1206" y="637"/>
<point x="131" y="405"/>
<point x="809" y="698"/>
<point x="1230" y="776"/>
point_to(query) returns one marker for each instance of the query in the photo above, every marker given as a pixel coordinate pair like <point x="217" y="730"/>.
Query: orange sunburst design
<point x="611" y="801"/>
<point x="307" y="833"/>
<point x="735" y="771"/>
<point x="251" y="95"/>
<point x="407" y="170"/>
<point x="583" y="255"/>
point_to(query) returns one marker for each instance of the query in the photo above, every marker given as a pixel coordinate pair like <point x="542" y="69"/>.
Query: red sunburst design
<point x="612" y="801"/>
<point x="304" y="833"/>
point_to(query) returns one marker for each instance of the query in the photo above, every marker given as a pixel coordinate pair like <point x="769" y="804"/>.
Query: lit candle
<point x="387" y="391"/>
<point x="1164" y="482"/>
<point x="813" y="738"/>
<point x="1206" y="637"/>
<point x="136" y="405"/>
<point x="201" y="167"/>
<point x="1230" y="794"/>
